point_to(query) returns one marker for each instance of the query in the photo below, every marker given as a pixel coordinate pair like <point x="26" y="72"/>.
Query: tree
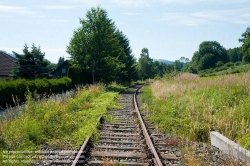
<point x="98" y="46"/>
<point x="73" y="73"/>
<point x="30" y="64"/>
<point x="245" y="40"/>
<point x="60" y="61"/>
<point x="178" y="65"/>
<point x="235" y="54"/>
<point x="184" y="60"/>
<point x="159" y="68"/>
<point x="145" y="65"/>
<point x="209" y="53"/>
<point x="51" y="66"/>
<point x="129" y="73"/>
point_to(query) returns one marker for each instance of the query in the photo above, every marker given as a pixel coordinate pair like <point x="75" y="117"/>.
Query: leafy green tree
<point x="129" y="73"/>
<point x="51" y="66"/>
<point x="178" y="65"/>
<point x="245" y="35"/>
<point x="184" y="60"/>
<point x="145" y="65"/>
<point x="60" y="61"/>
<point x="30" y="64"/>
<point x="98" y="47"/>
<point x="245" y="40"/>
<point x="159" y="68"/>
<point x="209" y="53"/>
<point x="235" y="54"/>
<point x="76" y="74"/>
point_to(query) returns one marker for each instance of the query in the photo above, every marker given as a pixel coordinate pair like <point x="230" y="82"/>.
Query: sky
<point x="170" y="29"/>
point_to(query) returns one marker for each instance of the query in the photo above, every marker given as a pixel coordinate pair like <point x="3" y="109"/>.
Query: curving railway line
<point x="126" y="140"/>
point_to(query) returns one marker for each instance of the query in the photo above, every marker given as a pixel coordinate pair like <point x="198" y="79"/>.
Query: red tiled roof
<point x="6" y="64"/>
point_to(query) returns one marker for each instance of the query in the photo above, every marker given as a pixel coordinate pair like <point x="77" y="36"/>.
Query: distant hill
<point x="164" y="61"/>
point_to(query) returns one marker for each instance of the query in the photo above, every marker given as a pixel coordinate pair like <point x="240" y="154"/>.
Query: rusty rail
<point x="75" y="162"/>
<point x="145" y="133"/>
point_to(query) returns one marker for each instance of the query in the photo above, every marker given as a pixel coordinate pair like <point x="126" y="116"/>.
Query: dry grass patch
<point x="190" y="106"/>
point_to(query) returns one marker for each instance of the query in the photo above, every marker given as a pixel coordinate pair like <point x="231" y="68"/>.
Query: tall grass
<point x="56" y="122"/>
<point x="190" y="106"/>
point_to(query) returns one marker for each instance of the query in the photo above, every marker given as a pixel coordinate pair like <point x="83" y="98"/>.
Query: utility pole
<point x="93" y="71"/>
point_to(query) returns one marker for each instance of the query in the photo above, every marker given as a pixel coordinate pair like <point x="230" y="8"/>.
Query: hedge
<point x="79" y="76"/>
<point x="14" y="92"/>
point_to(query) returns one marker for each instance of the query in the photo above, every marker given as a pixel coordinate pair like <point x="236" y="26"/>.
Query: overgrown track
<point x="125" y="141"/>
<point x="122" y="141"/>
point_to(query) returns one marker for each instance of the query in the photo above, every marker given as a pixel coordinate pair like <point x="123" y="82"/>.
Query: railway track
<point x="132" y="140"/>
<point x="126" y="141"/>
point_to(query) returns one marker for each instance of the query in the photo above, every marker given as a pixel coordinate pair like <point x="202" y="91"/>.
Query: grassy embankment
<point x="59" y="123"/>
<point x="228" y="68"/>
<point x="190" y="106"/>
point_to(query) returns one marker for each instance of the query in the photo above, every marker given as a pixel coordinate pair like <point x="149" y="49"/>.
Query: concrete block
<point x="229" y="147"/>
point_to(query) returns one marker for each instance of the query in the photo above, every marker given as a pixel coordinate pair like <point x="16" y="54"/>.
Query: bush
<point x="14" y="92"/>
<point x="56" y="123"/>
<point x="79" y="76"/>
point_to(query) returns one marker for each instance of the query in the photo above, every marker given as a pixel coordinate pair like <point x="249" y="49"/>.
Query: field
<point x="189" y="106"/>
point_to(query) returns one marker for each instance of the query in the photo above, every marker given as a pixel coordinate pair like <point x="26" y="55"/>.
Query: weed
<point x="190" y="106"/>
<point x="55" y="122"/>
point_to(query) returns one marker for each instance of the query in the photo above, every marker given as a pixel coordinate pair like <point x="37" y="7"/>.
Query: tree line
<point x="212" y="54"/>
<point x="32" y="63"/>
<point x="100" y="52"/>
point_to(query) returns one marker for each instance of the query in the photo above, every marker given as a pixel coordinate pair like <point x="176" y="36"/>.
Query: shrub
<point x="55" y="123"/>
<point x="78" y="76"/>
<point x="14" y="92"/>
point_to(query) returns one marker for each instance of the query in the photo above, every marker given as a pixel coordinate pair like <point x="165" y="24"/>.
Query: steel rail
<point x="75" y="162"/>
<point x="145" y="133"/>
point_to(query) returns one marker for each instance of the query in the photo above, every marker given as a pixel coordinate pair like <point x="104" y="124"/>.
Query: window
<point x="63" y="70"/>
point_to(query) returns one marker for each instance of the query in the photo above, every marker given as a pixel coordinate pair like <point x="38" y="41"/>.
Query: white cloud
<point x="59" y="7"/>
<point x="184" y="2"/>
<point x="15" y="9"/>
<point x="237" y="16"/>
<point x="182" y="18"/>
<point x="245" y="15"/>
<point x="149" y="3"/>
<point x="89" y="2"/>
<point x="133" y="3"/>
<point x="133" y="14"/>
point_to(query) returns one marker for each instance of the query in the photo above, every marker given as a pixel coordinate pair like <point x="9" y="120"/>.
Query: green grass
<point x="191" y="107"/>
<point x="116" y="87"/>
<point x="70" y="120"/>
<point x="229" y="68"/>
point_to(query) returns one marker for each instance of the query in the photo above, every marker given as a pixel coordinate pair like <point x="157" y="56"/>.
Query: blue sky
<point x="170" y="29"/>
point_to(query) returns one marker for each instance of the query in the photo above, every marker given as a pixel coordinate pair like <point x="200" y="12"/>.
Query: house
<point x="6" y="65"/>
<point x="61" y="70"/>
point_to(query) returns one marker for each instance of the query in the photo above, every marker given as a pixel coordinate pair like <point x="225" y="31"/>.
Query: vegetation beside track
<point x="56" y="123"/>
<point x="190" y="106"/>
